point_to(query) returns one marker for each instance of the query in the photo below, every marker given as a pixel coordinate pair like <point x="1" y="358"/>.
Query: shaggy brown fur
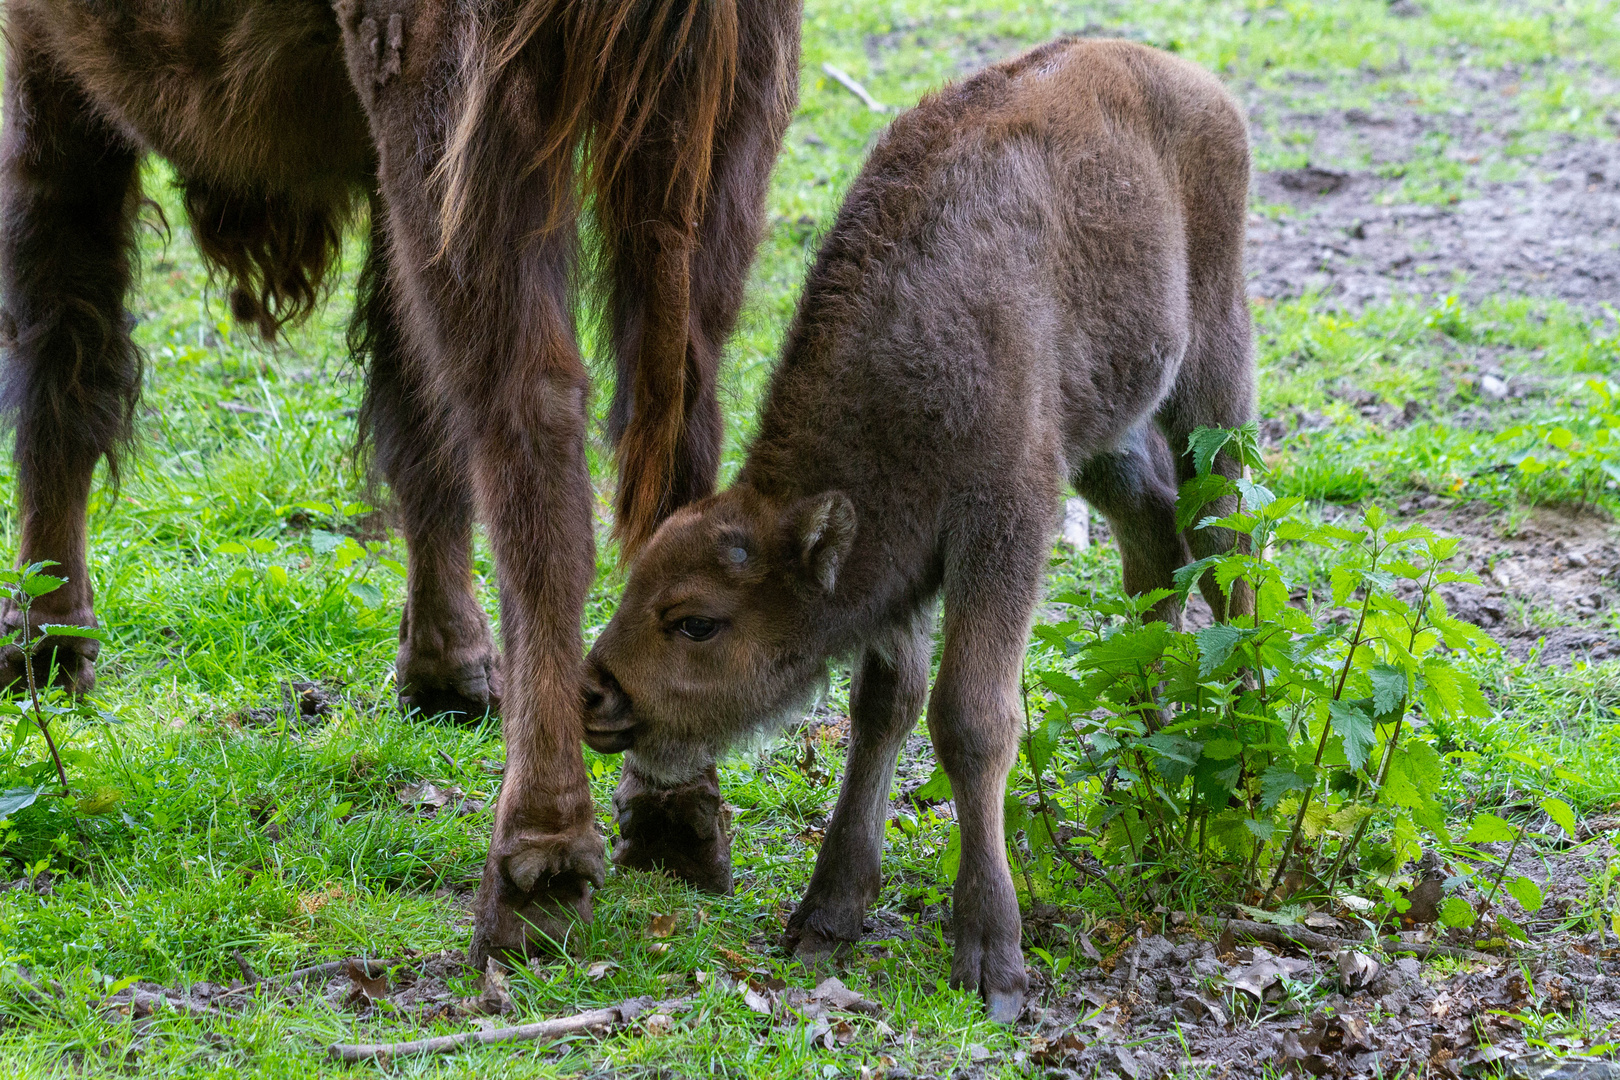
<point x="1037" y="279"/>
<point x="473" y="130"/>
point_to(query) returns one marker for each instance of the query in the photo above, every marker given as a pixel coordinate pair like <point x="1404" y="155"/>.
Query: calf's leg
<point x="886" y="697"/>
<point x="69" y="188"/>
<point x="992" y="582"/>
<point x="447" y="662"/>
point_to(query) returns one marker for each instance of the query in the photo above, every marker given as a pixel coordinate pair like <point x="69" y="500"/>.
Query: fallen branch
<point x="1428" y="950"/>
<point x="844" y="79"/>
<point x="621" y="1013"/>
<point x="370" y="968"/>
<point x="1272" y="934"/>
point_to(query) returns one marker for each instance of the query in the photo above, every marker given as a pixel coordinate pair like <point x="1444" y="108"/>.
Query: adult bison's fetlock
<point x="535" y="891"/>
<point x="68" y="662"/>
<point x="683" y="830"/>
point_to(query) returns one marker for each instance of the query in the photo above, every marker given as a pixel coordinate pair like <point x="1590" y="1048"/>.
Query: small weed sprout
<point x="37" y="711"/>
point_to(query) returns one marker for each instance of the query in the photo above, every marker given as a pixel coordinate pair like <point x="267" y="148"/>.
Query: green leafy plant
<point x="38" y="712"/>
<point x="1286" y="748"/>
<point x="1577" y="454"/>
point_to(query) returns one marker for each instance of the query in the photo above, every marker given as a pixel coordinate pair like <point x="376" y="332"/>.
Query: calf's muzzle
<point x="610" y="726"/>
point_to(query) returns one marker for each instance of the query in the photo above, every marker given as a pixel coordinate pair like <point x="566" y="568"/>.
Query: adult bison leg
<point x="447" y="662"/>
<point x="885" y="700"/>
<point x="68" y="194"/>
<point x="992" y="582"/>
<point x="484" y="295"/>
<point x="667" y="349"/>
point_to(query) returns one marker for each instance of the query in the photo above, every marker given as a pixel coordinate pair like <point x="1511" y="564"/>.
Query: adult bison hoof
<point x="471" y="688"/>
<point x="68" y="662"/>
<point x="685" y="830"/>
<point x="820" y="931"/>
<point x="535" y="891"/>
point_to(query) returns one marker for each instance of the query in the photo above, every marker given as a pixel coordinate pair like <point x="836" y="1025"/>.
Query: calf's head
<point x="715" y="639"/>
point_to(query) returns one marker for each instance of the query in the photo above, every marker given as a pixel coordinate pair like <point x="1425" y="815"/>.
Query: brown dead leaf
<point x="366" y="988"/>
<point x="836" y="995"/>
<point x="756" y="1001"/>
<point x="735" y="957"/>
<point x="657" y="1024"/>
<point x="1055" y="1051"/>
<point x="662" y="925"/>
<point x="497" y="997"/>
<point x="599" y="970"/>
<point x="1425" y="899"/>
<point x="843" y="1032"/>
<point x="427" y="796"/>
<point x="1356" y="971"/>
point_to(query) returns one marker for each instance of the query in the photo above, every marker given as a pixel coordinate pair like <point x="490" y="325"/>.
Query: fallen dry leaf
<point x="599" y="970"/>
<point x="756" y="1001"/>
<point x="366" y="988"/>
<point x="311" y="902"/>
<point x="1263" y="972"/>
<point x="662" y="926"/>
<point x="1054" y="1052"/>
<point x="496" y="1000"/>
<point x="1356" y="971"/>
<point x="428" y="795"/>
<point x="657" y="1024"/>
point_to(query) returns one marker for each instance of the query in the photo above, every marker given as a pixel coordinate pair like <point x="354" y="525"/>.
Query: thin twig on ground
<point x="370" y="968"/>
<point x="844" y="79"/>
<point x="544" y="1029"/>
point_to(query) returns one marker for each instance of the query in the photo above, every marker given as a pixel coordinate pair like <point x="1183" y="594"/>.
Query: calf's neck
<point x="1037" y="280"/>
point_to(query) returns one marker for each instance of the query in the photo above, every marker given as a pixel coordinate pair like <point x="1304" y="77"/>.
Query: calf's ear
<point x="823" y="527"/>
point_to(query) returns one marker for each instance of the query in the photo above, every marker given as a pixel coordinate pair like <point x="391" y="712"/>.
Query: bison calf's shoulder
<point x="1036" y="281"/>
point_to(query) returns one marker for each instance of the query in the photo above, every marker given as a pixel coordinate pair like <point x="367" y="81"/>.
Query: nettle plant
<point x="1576" y="455"/>
<point x="46" y="723"/>
<point x="1285" y="750"/>
<point x="348" y="562"/>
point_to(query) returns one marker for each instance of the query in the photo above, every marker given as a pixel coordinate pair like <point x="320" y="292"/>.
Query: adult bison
<point x="473" y="131"/>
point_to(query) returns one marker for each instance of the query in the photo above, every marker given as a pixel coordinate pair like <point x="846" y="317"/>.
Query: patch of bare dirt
<point x="1502" y="209"/>
<point x="1550" y="583"/>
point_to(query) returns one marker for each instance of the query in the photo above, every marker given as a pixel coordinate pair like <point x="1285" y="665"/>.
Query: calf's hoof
<point x="995" y="970"/>
<point x="535" y="890"/>
<point x="471" y="688"/>
<point x="684" y="831"/>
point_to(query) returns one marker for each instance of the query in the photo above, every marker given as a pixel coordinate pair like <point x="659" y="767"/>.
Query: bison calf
<point x="1037" y="279"/>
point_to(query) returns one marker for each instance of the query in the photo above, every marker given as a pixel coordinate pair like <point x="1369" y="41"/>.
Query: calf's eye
<point x="697" y="627"/>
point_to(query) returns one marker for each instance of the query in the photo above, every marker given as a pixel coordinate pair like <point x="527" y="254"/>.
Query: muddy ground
<point x="1508" y="211"/>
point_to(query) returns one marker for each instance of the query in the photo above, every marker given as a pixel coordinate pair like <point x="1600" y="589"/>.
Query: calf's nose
<point x="609" y="721"/>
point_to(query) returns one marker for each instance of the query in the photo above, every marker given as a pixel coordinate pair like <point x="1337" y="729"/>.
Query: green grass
<point x="289" y="842"/>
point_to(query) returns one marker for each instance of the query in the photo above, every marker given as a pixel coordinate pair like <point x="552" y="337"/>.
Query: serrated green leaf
<point x="1353" y="724"/>
<point x="1204" y="444"/>
<point x="1278" y="781"/>
<point x="323" y="542"/>
<point x="937" y="788"/>
<point x="15" y="799"/>
<point x="1490" y="829"/>
<point x="368" y="594"/>
<point x="1215" y="645"/>
<point x="1388" y="688"/>
<point x="1526" y="892"/>
<point x="68" y="630"/>
<point x="1456" y="912"/>
<point x="1561" y="813"/>
<point x="38" y="585"/>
